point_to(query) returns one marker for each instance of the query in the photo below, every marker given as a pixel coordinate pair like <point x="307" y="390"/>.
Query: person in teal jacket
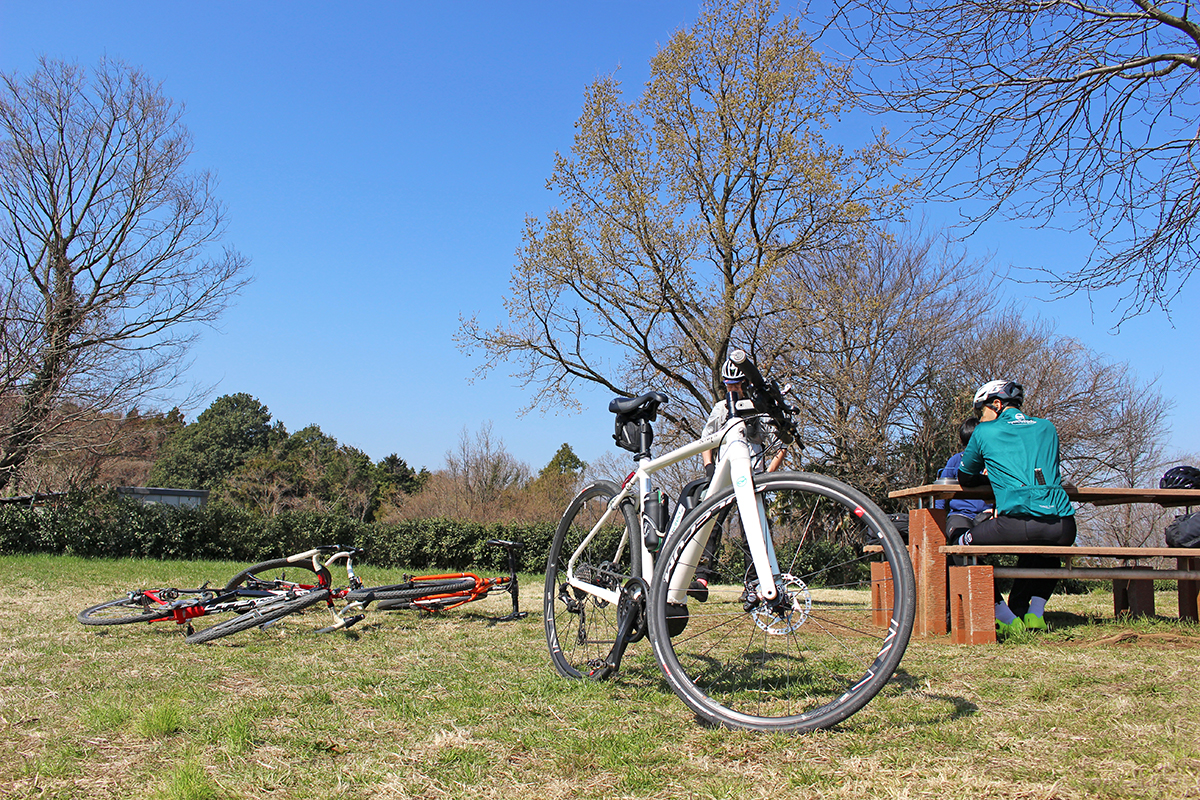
<point x="1018" y="454"/>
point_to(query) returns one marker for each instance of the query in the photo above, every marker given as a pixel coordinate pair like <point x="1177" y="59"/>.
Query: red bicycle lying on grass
<point x="254" y="599"/>
<point x="256" y="596"/>
<point x="433" y="593"/>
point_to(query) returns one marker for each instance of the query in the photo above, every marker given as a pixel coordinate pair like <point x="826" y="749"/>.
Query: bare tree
<point x="1066" y="113"/>
<point x="109" y="449"/>
<point x="105" y="249"/>
<point x="1136" y="457"/>
<point x="1111" y="424"/>
<point x="484" y="468"/>
<point x="680" y="213"/>
<point x="482" y="482"/>
<point x="872" y="336"/>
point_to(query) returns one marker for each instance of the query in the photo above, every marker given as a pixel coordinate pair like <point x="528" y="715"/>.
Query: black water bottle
<point x="654" y="521"/>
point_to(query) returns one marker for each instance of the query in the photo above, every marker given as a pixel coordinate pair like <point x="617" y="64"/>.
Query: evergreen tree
<point x="203" y="454"/>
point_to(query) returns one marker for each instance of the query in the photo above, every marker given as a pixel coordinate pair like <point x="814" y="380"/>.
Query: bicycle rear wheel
<point x="581" y="628"/>
<point x="413" y="590"/>
<point x="276" y="571"/>
<point x="824" y="647"/>
<point x="124" y="611"/>
<point x="266" y="611"/>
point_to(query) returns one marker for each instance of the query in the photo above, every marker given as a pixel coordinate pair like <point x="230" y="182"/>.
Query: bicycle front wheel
<point x="275" y="573"/>
<point x="124" y="611"/>
<point x="581" y="626"/>
<point x="267" y="611"/>
<point x="821" y="649"/>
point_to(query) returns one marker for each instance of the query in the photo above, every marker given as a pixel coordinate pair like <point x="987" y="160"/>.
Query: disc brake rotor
<point x="789" y="612"/>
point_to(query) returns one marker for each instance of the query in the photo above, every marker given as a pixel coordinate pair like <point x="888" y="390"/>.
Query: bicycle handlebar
<point x="769" y="394"/>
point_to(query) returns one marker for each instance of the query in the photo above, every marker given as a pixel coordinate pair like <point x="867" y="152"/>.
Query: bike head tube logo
<point x="741" y="481"/>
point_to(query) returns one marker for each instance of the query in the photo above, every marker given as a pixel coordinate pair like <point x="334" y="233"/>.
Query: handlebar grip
<point x="748" y="368"/>
<point x="777" y="409"/>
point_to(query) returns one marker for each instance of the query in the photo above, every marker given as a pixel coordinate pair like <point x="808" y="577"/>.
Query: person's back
<point x="961" y="512"/>
<point x="1021" y="456"/>
<point x="960" y="505"/>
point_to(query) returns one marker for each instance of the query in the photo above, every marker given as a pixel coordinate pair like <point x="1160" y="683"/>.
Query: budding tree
<point x="680" y="213"/>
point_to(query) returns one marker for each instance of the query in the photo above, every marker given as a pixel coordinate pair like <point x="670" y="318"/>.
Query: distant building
<point x="186" y="498"/>
<point x="31" y="500"/>
<point x="168" y="497"/>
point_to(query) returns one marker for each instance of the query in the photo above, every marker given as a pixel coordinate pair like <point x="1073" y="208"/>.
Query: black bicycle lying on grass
<point x="263" y="593"/>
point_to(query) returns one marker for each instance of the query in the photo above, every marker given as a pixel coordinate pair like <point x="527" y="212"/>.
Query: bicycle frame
<point x="733" y="467"/>
<point x="431" y="603"/>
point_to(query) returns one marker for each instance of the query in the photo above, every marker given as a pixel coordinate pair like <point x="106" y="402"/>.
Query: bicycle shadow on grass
<point x="907" y="683"/>
<point x="490" y="620"/>
<point x="901" y="683"/>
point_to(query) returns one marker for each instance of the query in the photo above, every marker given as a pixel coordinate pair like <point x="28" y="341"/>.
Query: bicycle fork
<point x="736" y="469"/>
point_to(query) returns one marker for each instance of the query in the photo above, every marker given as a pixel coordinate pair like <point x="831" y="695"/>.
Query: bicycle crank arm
<point x="342" y="624"/>
<point x="631" y="611"/>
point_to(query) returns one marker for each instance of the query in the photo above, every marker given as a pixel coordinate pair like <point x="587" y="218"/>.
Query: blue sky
<point x="377" y="161"/>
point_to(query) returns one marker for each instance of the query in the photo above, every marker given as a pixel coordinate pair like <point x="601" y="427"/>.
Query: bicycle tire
<point x="809" y="662"/>
<point x="412" y="591"/>
<point x="268" y="611"/>
<point x="263" y="569"/>
<point x="580" y="627"/>
<point x="122" y="611"/>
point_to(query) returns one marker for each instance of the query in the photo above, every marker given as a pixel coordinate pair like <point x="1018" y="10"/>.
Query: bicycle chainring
<point x="633" y="601"/>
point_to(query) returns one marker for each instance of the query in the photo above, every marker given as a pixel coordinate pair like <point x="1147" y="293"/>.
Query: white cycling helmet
<point x="1008" y="392"/>
<point x="731" y="372"/>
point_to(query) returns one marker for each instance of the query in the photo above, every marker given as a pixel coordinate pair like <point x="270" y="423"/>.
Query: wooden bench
<point x="972" y="595"/>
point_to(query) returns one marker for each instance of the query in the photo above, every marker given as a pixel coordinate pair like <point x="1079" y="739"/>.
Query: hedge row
<point x="105" y="525"/>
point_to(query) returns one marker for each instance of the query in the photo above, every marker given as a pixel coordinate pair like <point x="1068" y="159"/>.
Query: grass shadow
<point x="913" y="684"/>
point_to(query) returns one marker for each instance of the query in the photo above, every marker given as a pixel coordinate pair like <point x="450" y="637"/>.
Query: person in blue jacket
<point x="961" y="513"/>
<point x="1019" y="455"/>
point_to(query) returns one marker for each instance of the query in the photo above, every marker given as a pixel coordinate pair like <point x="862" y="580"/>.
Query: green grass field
<point x="458" y="706"/>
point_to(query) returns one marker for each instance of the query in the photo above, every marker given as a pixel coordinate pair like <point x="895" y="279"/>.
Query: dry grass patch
<point x="458" y="706"/>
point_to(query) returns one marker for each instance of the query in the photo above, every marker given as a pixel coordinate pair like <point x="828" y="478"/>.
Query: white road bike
<point x="761" y="602"/>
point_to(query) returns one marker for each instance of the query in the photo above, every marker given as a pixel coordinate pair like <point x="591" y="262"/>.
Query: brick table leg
<point x="925" y="538"/>
<point x="1189" y="591"/>
<point x="972" y="605"/>
<point x="882" y="593"/>
<point x="1133" y="598"/>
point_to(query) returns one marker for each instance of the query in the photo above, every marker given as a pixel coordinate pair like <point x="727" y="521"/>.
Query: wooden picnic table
<point x="927" y="538"/>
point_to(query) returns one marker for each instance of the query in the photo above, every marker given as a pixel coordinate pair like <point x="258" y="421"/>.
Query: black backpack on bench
<point x="1184" y="531"/>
